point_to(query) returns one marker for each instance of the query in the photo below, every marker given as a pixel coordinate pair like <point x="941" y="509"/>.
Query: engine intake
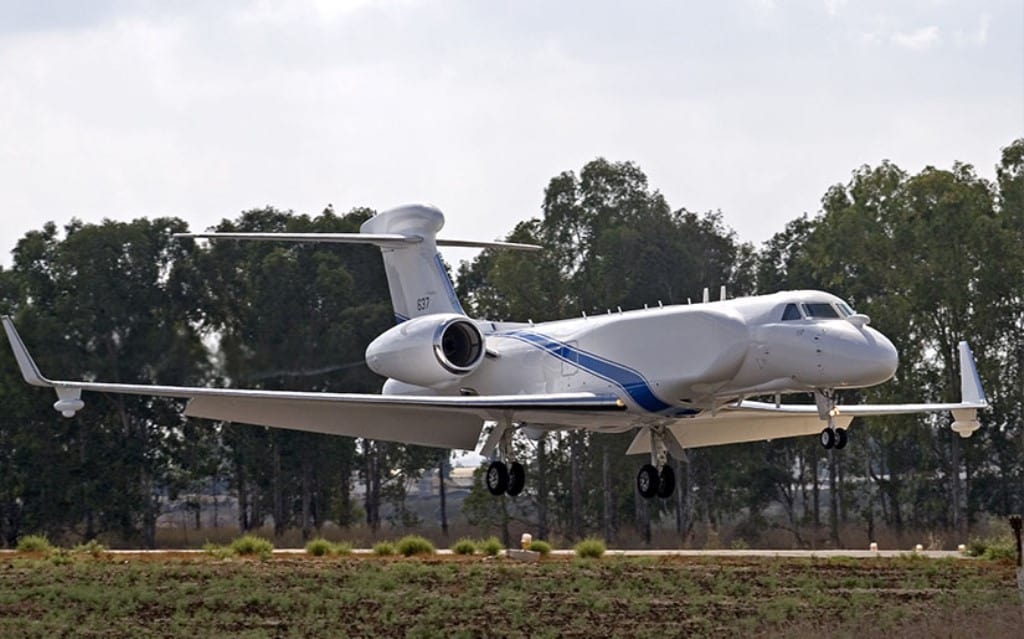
<point x="432" y="350"/>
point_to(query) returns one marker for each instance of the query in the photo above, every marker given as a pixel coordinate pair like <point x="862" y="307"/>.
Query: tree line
<point x="932" y="258"/>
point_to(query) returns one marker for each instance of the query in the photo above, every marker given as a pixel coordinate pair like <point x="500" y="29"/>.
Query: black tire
<point x="647" y="481"/>
<point x="666" y="482"/>
<point x="516" y="479"/>
<point x="828" y="438"/>
<point x="841" y="438"/>
<point x="496" y="478"/>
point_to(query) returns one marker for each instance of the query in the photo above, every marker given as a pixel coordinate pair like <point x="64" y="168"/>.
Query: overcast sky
<point x="124" y="109"/>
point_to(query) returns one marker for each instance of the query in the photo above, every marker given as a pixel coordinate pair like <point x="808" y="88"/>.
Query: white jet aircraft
<point x="680" y="376"/>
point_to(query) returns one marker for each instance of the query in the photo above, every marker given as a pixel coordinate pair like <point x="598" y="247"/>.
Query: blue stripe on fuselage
<point x="629" y="380"/>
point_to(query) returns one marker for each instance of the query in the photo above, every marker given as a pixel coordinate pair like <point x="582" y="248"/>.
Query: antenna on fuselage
<point x="707" y="295"/>
<point x="721" y="294"/>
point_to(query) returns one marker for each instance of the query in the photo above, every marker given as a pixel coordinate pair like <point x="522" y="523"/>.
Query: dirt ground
<point x="169" y="595"/>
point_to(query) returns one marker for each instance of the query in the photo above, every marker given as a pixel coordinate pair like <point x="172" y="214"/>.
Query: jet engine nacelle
<point x="432" y="350"/>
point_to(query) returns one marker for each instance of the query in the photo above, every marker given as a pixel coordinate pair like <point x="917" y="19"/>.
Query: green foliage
<point x="319" y="547"/>
<point x="384" y="549"/>
<point x="414" y="545"/>
<point x="35" y="544"/>
<point x="342" y="548"/>
<point x="490" y="546"/>
<point x="590" y="548"/>
<point x="218" y="551"/>
<point x="538" y="545"/>
<point x="250" y="544"/>
<point x="91" y="547"/>
<point x="464" y="546"/>
<point x="995" y="548"/>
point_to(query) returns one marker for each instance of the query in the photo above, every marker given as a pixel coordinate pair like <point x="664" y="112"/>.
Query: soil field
<point x="169" y="595"/>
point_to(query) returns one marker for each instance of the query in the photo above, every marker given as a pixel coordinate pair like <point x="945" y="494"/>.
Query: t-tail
<point x="407" y="237"/>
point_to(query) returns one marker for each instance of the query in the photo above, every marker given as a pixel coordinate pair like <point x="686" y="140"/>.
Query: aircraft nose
<point x="866" y="356"/>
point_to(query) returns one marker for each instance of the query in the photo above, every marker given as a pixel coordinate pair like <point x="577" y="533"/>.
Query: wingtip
<point x="28" y="367"/>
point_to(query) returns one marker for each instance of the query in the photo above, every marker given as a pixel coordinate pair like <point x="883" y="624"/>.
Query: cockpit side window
<point x="791" y="313"/>
<point x="845" y="309"/>
<point x="820" y="310"/>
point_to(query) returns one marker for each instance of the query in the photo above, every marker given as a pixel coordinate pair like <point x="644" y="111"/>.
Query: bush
<point x="999" y="548"/>
<point x="383" y="548"/>
<point x="35" y="543"/>
<point x="590" y="548"/>
<point x="542" y="547"/>
<point x="342" y="548"/>
<point x="252" y="545"/>
<point x="319" y="547"/>
<point x="490" y="546"/>
<point x="218" y="551"/>
<point x="91" y="547"/>
<point x="464" y="546"/>
<point x="415" y="545"/>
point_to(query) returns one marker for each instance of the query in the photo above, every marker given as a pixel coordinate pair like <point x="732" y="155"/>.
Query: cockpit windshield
<point x="820" y="310"/>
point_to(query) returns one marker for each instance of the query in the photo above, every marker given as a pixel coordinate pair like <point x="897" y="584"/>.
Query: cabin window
<point x="820" y="311"/>
<point x="791" y="313"/>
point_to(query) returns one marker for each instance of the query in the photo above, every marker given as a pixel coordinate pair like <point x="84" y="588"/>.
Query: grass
<point x="464" y="546"/>
<point x="490" y="546"/>
<point x="35" y="543"/>
<point x="199" y="595"/>
<point x="590" y="548"/>
<point x="384" y="549"/>
<point x="538" y="545"/>
<point x="414" y="545"/>
<point x="249" y="545"/>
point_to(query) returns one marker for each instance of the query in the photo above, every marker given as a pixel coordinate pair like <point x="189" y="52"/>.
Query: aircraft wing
<point x="445" y="422"/>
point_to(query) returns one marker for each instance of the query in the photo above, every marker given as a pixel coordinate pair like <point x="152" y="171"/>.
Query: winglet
<point x="29" y="370"/>
<point x="970" y="384"/>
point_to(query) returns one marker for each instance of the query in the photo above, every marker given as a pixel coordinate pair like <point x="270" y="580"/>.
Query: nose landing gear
<point x="831" y="437"/>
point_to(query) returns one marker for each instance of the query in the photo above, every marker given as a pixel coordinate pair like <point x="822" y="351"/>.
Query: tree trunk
<point x="307" y="496"/>
<point x="442" y="463"/>
<point x="608" y="511"/>
<point x="576" y="471"/>
<point x="542" y="487"/>
<point x="833" y="500"/>
<point x="277" y="488"/>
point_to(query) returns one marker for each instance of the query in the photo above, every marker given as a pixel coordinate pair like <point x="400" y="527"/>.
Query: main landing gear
<point x="501" y="478"/>
<point x="831" y="437"/>
<point x="651" y="481"/>
<point x="504" y="479"/>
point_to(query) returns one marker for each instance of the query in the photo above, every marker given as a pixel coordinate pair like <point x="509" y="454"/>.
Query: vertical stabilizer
<point x="417" y="278"/>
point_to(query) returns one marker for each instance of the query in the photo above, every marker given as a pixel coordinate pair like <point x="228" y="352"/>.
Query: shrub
<point x="91" y="547"/>
<point x="218" y="551"/>
<point x="543" y="547"/>
<point x="383" y="548"/>
<point x="490" y="546"/>
<point x="464" y="546"/>
<point x="999" y="548"/>
<point x="252" y="545"/>
<point x="35" y="543"/>
<point x="342" y="548"/>
<point x="590" y="548"/>
<point x="319" y="547"/>
<point x="415" y="545"/>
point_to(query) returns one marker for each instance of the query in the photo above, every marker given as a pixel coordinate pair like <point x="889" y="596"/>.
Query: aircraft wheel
<point x="647" y="481"/>
<point x="497" y="478"/>
<point x="666" y="482"/>
<point x="516" y="479"/>
<point x="828" y="438"/>
<point x="841" y="438"/>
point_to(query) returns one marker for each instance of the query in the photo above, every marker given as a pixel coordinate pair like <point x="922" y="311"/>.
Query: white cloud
<point x="918" y="39"/>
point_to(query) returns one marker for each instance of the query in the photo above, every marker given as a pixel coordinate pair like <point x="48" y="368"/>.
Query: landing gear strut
<point x="651" y="481"/>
